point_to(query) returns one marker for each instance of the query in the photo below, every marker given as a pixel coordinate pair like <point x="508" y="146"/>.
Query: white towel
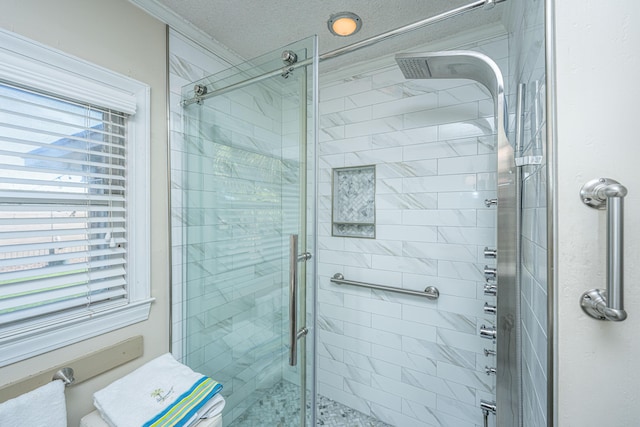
<point x="151" y="391"/>
<point x="42" y="407"/>
<point x="213" y="407"/>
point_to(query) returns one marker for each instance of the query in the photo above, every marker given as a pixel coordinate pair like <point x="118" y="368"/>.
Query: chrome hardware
<point x="488" y="352"/>
<point x="289" y="57"/>
<point x="490" y="273"/>
<point x="286" y="71"/>
<point x="430" y="292"/>
<point x="490" y="289"/>
<point x="519" y="134"/>
<point x="490" y="309"/>
<point x="489" y="4"/>
<point x="487" y="407"/>
<point x="488" y="332"/>
<point x="489" y="370"/>
<point x="65" y="375"/>
<point x="200" y="90"/>
<point x="294" y="333"/>
<point x="605" y="193"/>
<point x="305" y="256"/>
<point x="490" y="202"/>
<point x="490" y="253"/>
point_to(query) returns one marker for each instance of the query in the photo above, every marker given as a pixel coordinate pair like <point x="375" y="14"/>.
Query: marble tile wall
<point x="527" y="60"/>
<point x="406" y="360"/>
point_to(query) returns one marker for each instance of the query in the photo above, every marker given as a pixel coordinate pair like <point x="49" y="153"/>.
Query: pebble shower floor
<point x="273" y="410"/>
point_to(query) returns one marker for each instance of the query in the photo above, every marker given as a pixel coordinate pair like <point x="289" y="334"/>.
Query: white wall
<point x="598" y="65"/>
<point x="121" y="37"/>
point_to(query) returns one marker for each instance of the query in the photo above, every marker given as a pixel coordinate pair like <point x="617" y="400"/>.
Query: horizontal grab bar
<point x="430" y="292"/>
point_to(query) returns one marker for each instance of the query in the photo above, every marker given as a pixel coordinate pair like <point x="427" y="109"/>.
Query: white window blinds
<point x="63" y="200"/>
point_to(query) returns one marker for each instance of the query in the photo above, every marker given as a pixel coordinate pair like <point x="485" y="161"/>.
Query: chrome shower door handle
<point x="294" y="333"/>
<point x="605" y="193"/>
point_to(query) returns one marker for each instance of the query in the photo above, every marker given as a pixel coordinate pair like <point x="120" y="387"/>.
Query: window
<point x="74" y="205"/>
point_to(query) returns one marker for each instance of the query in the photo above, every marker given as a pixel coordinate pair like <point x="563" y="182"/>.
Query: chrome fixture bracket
<point x="594" y="303"/>
<point x="606" y="193"/>
<point x="65" y="375"/>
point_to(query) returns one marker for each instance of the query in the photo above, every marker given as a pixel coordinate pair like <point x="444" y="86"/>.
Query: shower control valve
<point x="490" y="202"/>
<point x="490" y="370"/>
<point x="490" y="253"/>
<point x="491" y="290"/>
<point x="490" y="309"/>
<point x="488" y="332"/>
<point x="488" y="352"/>
<point x="490" y="273"/>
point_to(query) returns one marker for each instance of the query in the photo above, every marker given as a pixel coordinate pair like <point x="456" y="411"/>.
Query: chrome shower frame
<point x="478" y="67"/>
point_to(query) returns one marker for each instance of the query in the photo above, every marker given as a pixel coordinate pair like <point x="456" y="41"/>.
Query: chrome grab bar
<point x="294" y="333"/>
<point x="605" y="193"/>
<point x="430" y="292"/>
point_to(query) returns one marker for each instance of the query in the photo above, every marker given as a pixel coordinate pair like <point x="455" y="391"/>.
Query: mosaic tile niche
<point x="354" y="191"/>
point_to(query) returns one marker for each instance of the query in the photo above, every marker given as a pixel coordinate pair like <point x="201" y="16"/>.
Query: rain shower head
<point x="454" y="64"/>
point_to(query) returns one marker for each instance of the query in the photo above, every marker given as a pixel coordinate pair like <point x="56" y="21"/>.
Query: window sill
<point x="23" y="346"/>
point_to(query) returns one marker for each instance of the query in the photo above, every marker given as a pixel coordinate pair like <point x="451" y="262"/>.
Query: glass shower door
<point x="248" y="177"/>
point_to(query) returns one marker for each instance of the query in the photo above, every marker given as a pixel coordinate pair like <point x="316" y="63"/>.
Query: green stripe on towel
<point x="185" y="407"/>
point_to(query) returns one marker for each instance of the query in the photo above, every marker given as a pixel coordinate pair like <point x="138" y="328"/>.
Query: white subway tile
<point x="345" y="88"/>
<point x="405" y="264"/>
<point x="373" y="335"/>
<point x="465" y="199"/>
<point x="345" y="314"/>
<point x="373" y="365"/>
<point x="468" y="377"/>
<point x="421" y="135"/>
<point x="438" y="184"/>
<point x="467" y="164"/>
<point x="345" y="343"/>
<point x="369" y="305"/>
<point x="371" y="127"/>
<point x="440" y="217"/>
<point x="403" y="327"/>
<point x="405" y="105"/>
<point x="403" y="359"/>
<point x="407" y="233"/>
<point x="403" y="390"/>
<point x="375" y="393"/>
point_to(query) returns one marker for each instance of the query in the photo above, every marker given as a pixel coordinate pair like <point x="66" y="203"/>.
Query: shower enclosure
<point x="249" y="230"/>
<point x="416" y="145"/>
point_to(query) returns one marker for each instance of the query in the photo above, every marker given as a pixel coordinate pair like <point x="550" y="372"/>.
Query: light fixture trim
<point x="344" y="24"/>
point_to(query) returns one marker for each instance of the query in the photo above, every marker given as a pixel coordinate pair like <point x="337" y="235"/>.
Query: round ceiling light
<point x="344" y="24"/>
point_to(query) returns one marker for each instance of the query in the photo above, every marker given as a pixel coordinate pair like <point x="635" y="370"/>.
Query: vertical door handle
<point x="605" y="193"/>
<point x="294" y="332"/>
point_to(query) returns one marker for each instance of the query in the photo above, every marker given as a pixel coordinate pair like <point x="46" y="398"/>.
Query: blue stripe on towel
<point x="186" y="406"/>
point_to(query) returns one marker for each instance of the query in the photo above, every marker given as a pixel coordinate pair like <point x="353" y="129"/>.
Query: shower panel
<point x="478" y="67"/>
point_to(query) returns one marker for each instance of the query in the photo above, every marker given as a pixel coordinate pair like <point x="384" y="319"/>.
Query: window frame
<point x="29" y="63"/>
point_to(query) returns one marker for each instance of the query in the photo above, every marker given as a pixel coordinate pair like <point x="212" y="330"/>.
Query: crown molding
<point x="187" y="29"/>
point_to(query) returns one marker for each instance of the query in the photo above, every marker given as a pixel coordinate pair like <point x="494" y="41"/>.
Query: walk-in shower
<point x="261" y="144"/>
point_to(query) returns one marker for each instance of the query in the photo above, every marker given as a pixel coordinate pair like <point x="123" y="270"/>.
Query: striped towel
<point x="185" y="408"/>
<point x="161" y="393"/>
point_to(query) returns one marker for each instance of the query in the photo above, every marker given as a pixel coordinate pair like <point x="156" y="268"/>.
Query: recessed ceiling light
<point x="344" y="24"/>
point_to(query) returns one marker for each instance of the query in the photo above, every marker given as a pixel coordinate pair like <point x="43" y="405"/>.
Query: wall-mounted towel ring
<point x="65" y="375"/>
<point x="605" y="193"/>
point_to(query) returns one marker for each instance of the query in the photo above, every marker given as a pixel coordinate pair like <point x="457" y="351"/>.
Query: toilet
<point x="95" y="420"/>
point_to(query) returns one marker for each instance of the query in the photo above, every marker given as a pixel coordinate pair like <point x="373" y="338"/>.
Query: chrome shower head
<point x="454" y="64"/>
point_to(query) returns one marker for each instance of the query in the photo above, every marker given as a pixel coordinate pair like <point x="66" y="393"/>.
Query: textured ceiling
<point x="253" y="27"/>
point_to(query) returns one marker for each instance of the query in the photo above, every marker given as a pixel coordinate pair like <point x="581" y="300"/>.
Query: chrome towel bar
<point x="605" y="193"/>
<point x="430" y="292"/>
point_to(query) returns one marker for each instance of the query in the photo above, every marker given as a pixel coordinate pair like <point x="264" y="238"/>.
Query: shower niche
<point x="353" y="202"/>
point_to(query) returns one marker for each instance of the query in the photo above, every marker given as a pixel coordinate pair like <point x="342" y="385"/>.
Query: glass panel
<point x="247" y="184"/>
